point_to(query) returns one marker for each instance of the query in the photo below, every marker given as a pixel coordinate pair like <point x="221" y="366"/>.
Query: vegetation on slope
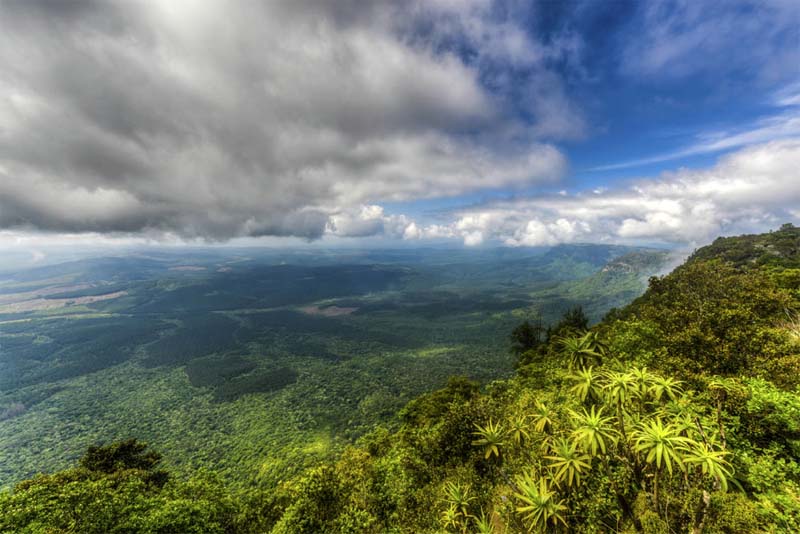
<point x="678" y="413"/>
<point x="255" y="368"/>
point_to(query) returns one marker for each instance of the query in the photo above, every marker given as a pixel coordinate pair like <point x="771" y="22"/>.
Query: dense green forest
<point x="257" y="363"/>
<point x="679" y="412"/>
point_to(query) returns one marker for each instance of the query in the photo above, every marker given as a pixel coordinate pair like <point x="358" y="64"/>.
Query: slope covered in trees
<point x="677" y="413"/>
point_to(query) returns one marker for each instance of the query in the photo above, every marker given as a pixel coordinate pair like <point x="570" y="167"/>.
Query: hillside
<point x="780" y="248"/>
<point x="677" y="413"/>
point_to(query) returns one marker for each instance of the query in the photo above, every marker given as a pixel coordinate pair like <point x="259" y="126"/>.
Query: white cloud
<point x="754" y="189"/>
<point x="219" y="120"/>
<point x="788" y="95"/>
<point x="683" y="38"/>
<point x="784" y="125"/>
<point x="370" y="220"/>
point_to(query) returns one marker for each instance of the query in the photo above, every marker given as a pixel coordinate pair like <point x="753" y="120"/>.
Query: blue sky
<point x="641" y="118"/>
<point x="485" y="122"/>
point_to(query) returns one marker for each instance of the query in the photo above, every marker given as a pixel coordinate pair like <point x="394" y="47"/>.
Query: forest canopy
<point x="677" y="413"/>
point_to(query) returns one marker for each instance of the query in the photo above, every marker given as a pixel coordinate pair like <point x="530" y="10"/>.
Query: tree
<point x="127" y="454"/>
<point x="433" y="406"/>
<point x="543" y="418"/>
<point x="642" y="379"/>
<point x="540" y="507"/>
<point x="122" y="455"/>
<point x="581" y="350"/>
<point x="709" y="317"/>
<point x="573" y="321"/>
<point x="711" y="462"/>
<point x="593" y="431"/>
<point x="490" y="437"/>
<point x="619" y="388"/>
<point x="527" y="336"/>
<point x="113" y="492"/>
<point x="458" y="500"/>
<point x="661" y="445"/>
<point x="587" y="386"/>
<point x="664" y="387"/>
<point x="518" y="428"/>
<point x="568" y="462"/>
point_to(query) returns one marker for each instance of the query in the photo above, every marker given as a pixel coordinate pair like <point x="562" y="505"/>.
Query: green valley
<point x="254" y="363"/>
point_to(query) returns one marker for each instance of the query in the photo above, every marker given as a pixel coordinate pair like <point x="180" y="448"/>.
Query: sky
<point x="478" y="122"/>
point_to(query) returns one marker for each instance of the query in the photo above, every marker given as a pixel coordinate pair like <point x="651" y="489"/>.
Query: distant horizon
<point x="17" y="259"/>
<point x="52" y="254"/>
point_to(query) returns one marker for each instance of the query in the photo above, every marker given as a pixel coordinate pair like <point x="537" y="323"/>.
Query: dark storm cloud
<point x="223" y="119"/>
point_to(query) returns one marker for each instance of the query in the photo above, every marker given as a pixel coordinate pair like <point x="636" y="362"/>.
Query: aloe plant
<point x="490" y="437"/>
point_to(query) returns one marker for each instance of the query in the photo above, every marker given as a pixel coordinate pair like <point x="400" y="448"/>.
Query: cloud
<point x="754" y="189"/>
<point x="525" y="74"/>
<point x="717" y="40"/>
<point x="788" y="95"/>
<point x="784" y="124"/>
<point x="217" y="120"/>
<point x="368" y="221"/>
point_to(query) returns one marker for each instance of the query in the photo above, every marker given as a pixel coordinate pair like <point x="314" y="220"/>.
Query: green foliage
<point x="780" y="248"/>
<point x="432" y="406"/>
<point x="581" y="350"/>
<point x="483" y="524"/>
<point x="260" y="365"/>
<point x="117" y="498"/>
<point x="595" y="433"/>
<point x="61" y="348"/>
<point x="316" y="503"/>
<point x="212" y="372"/>
<point x="458" y="500"/>
<point x="198" y="336"/>
<point x="670" y="416"/>
<point x="567" y="463"/>
<point x="490" y="437"/>
<point x="261" y="381"/>
<point x="128" y="454"/>
<point x="539" y="504"/>
<point x="653" y="524"/>
<point x="733" y="513"/>
<point x="518" y="429"/>
<point x="573" y="321"/>
<point x="621" y="389"/>
<point x="708" y="317"/>
<point x="586" y="386"/>
<point x="664" y="388"/>
<point x="527" y="336"/>
<point x="710" y="462"/>
<point x="543" y="418"/>
<point x="775" y="413"/>
<point x="660" y="443"/>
